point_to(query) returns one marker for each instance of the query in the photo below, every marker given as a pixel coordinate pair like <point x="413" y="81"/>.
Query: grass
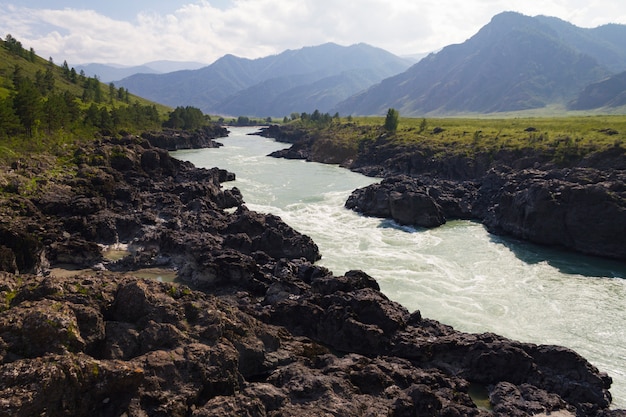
<point x="582" y="133"/>
<point x="564" y="140"/>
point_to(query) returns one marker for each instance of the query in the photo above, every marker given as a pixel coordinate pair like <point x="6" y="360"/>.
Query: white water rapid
<point x="458" y="273"/>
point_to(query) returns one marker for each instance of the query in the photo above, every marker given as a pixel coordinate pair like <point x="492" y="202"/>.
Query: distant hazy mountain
<point x="113" y="72"/>
<point x="513" y="63"/>
<point x="302" y="80"/>
<point x="606" y="44"/>
<point x="610" y="92"/>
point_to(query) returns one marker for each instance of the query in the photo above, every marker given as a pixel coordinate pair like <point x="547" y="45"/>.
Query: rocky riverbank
<point x="579" y="205"/>
<point x="258" y="329"/>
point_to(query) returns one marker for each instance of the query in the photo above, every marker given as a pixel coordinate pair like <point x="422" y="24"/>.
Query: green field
<point x="577" y="134"/>
<point x="600" y="131"/>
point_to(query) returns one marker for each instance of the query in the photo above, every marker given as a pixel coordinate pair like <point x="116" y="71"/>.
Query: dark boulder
<point x="22" y="250"/>
<point x="401" y="199"/>
<point x="580" y="209"/>
<point x="415" y="208"/>
<point x="269" y="234"/>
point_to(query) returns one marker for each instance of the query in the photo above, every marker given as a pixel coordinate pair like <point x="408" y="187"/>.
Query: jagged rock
<point x="163" y="349"/>
<point x="164" y="209"/>
<point x="22" y="251"/>
<point x="8" y="262"/>
<point x="67" y="385"/>
<point x="520" y="401"/>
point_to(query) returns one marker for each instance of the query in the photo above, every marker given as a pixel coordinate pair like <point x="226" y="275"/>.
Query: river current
<point x="458" y="274"/>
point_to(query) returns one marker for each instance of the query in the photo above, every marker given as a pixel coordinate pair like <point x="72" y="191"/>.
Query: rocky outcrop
<point x="286" y="134"/>
<point x="166" y="211"/>
<point x="173" y="140"/>
<point x="582" y="209"/>
<point x="420" y="202"/>
<point x="260" y="330"/>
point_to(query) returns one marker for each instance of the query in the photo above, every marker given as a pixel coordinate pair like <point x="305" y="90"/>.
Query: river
<point x="458" y="274"/>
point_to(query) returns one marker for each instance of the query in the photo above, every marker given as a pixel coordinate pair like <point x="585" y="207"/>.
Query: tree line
<point x="15" y="47"/>
<point x="35" y="104"/>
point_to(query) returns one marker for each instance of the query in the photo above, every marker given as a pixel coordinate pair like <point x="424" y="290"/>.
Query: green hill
<point x="30" y="63"/>
<point x="47" y="107"/>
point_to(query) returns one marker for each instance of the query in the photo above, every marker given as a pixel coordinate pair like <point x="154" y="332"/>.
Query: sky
<point x="134" y="32"/>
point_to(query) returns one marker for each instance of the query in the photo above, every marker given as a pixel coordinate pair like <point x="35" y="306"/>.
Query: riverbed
<point x="458" y="273"/>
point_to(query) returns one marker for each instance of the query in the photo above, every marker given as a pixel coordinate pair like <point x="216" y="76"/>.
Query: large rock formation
<point x="419" y="202"/>
<point x="263" y="332"/>
<point x="582" y="209"/>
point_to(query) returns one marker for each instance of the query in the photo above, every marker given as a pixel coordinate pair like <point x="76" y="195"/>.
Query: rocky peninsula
<point x="255" y="329"/>
<point x="577" y="202"/>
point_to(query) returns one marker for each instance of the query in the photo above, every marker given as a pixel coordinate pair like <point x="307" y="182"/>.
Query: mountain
<point x="610" y="92"/>
<point x="164" y="66"/>
<point x="606" y="44"/>
<point x="302" y="80"/>
<point x="113" y="72"/>
<point x="515" y="62"/>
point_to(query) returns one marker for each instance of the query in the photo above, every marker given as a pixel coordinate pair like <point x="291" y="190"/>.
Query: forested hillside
<point x="42" y="102"/>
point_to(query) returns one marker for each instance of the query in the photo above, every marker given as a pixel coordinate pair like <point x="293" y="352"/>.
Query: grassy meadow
<point x="571" y="135"/>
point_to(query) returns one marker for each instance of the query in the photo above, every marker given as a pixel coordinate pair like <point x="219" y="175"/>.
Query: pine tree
<point x="56" y="115"/>
<point x="66" y="70"/>
<point x="73" y="76"/>
<point x="9" y="122"/>
<point x="27" y="104"/>
<point x="391" y="121"/>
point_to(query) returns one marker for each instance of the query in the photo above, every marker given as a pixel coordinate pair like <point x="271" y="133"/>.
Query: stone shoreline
<point x="258" y="329"/>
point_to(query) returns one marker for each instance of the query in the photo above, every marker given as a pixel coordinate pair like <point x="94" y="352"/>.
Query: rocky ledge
<point x="258" y="329"/>
<point x="173" y="140"/>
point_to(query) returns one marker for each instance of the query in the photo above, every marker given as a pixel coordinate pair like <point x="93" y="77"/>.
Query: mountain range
<point x="513" y="63"/>
<point x="293" y="81"/>
<point x="113" y="72"/>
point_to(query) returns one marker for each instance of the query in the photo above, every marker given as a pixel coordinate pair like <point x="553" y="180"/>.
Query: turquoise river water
<point x="458" y="274"/>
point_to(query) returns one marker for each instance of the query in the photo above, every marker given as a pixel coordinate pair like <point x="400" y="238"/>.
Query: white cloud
<point x="202" y="32"/>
